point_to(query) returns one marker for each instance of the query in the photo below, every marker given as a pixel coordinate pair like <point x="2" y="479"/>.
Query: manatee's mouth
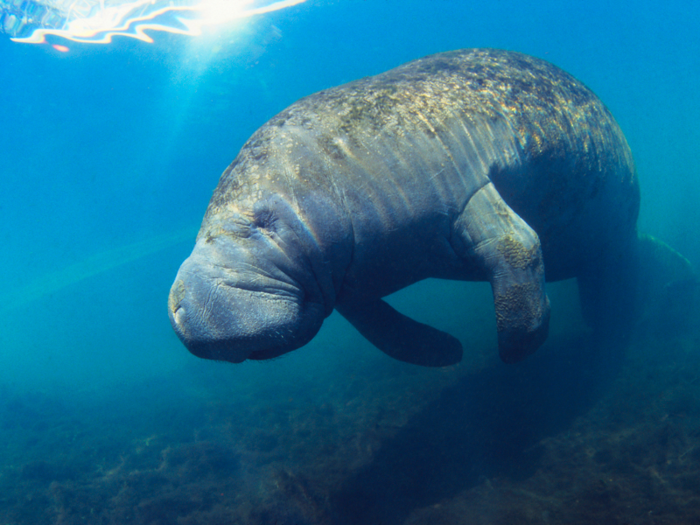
<point x="194" y="332"/>
<point x="202" y="340"/>
<point x="233" y="301"/>
<point x="225" y="323"/>
<point x="212" y="326"/>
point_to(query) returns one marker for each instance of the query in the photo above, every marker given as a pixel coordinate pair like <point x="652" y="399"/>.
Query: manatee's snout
<point x="198" y="315"/>
<point x="232" y="314"/>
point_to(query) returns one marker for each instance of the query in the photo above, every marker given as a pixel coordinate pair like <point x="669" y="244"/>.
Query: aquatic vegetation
<point x="575" y="435"/>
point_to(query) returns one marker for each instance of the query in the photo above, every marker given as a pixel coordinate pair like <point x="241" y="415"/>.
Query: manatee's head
<point x="247" y="291"/>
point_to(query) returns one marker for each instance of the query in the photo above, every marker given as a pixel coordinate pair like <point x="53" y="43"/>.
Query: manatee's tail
<point x="667" y="288"/>
<point x="646" y="284"/>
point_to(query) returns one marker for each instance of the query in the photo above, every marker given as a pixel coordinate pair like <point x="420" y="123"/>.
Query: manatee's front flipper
<point x="401" y="337"/>
<point x="491" y="235"/>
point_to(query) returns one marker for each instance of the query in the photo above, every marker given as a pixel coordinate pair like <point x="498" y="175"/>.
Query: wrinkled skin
<point x="468" y="165"/>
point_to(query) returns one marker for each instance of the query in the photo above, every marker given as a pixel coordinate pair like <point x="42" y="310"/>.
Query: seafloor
<point x="582" y="432"/>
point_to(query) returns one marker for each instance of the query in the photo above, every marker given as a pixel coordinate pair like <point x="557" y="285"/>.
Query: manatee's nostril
<point x="178" y="316"/>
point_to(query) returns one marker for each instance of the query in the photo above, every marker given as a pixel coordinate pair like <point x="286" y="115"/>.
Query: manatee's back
<point x="553" y="150"/>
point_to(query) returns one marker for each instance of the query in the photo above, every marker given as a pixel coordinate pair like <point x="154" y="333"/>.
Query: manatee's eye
<point x="264" y="220"/>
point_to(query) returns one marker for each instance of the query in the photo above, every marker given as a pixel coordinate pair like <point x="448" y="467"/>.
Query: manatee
<point x="476" y="165"/>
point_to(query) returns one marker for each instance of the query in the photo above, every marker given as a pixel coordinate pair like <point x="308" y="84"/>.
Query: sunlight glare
<point x="97" y="21"/>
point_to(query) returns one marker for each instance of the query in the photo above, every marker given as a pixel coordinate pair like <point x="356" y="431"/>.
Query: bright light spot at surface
<point x="97" y="21"/>
<point x="62" y="49"/>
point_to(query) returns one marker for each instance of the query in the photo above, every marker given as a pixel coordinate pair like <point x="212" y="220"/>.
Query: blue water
<point x="109" y="155"/>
